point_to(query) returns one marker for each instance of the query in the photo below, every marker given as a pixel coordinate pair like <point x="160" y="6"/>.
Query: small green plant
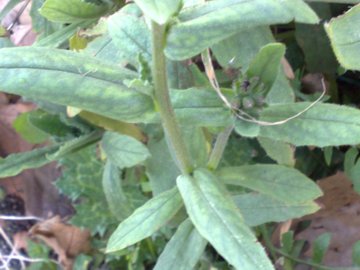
<point x="163" y="124"/>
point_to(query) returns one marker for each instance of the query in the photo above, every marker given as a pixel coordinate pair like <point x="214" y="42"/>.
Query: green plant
<point x="166" y="131"/>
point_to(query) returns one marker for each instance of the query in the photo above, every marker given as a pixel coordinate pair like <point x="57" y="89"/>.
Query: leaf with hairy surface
<point x="202" y="26"/>
<point x="146" y="220"/>
<point x="183" y="250"/>
<point x="345" y="39"/>
<point x="277" y="181"/>
<point x="218" y="220"/>
<point x="69" y="11"/>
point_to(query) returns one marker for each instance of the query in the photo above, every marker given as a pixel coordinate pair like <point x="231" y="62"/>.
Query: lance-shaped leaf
<point x="344" y="34"/>
<point x="69" y="11"/>
<point x="115" y="196"/>
<point x="258" y="209"/>
<point x="62" y="35"/>
<point x="162" y="177"/>
<point x="183" y="250"/>
<point x="218" y="220"/>
<point x="238" y="50"/>
<point x="69" y="78"/>
<point x="266" y="64"/>
<point x="281" y="152"/>
<point x="322" y="125"/>
<point x="279" y="182"/>
<point x="130" y="35"/>
<point x="122" y="150"/>
<point x="113" y="125"/>
<point x="200" y="107"/>
<point x="75" y="145"/>
<point x="16" y="163"/>
<point x="146" y="220"/>
<point x="159" y="11"/>
<point x="201" y="26"/>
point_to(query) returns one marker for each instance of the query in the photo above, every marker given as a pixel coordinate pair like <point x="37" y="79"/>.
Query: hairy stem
<point x="168" y="118"/>
<point x="219" y="148"/>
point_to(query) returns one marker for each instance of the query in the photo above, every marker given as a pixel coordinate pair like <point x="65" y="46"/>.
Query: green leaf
<point x="344" y="36"/>
<point x="202" y="26"/>
<point x="39" y="251"/>
<point x="266" y="64"/>
<point x="183" y="250"/>
<point x="328" y="154"/>
<point x="115" y="196"/>
<point x="246" y="129"/>
<point x="282" y="153"/>
<point x="180" y="75"/>
<point x="320" y="246"/>
<point x="16" y="163"/>
<point x="51" y="75"/>
<point x="196" y="144"/>
<point x="258" y="209"/>
<point x="287" y="242"/>
<point x="350" y="159"/>
<point x="122" y="150"/>
<point x="61" y="35"/>
<point x="69" y="11"/>
<point x="81" y="182"/>
<point x="113" y="125"/>
<point x="322" y="125"/>
<point x="50" y="124"/>
<point x="218" y="220"/>
<point x="277" y="181"/>
<point x="200" y="107"/>
<point x="354" y="175"/>
<point x="104" y="48"/>
<point x="281" y="91"/>
<point x="75" y="145"/>
<point x="146" y="220"/>
<point x="5" y="42"/>
<point x="27" y="130"/>
<point x="159" y="11"/>
<point x="315" y="44"/>
<point x="161" y="177"/>
<point x="40" y="24"/>
<point x="130" y="35"/>
<point x="238" y="50"/>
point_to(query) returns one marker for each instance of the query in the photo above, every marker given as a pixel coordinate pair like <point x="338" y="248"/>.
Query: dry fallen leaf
<point x="289" y="73"/>
<point x="21" y="28"/>
<point x="312" y="83"/>
<point x="66" y="240"/>
<point x="340" y="216"/>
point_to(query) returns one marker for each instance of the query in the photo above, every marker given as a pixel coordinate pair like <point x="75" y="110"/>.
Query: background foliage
<point x="176" y="162"/>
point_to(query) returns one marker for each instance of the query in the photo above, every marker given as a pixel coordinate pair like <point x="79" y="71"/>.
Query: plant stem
<point x="219" y="148"/>
<point x="162" y="98"/>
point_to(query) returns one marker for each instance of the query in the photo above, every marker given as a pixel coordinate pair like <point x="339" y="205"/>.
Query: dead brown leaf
<point x="312" y="83"/>
<point x="289" y="73"/>
<point x="21" y="26"/>
<point x="340" y="216"/>
<point x="66" y="240"/>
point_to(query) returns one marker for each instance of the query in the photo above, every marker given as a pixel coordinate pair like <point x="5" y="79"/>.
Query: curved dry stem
<point x="240" y="114"/>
